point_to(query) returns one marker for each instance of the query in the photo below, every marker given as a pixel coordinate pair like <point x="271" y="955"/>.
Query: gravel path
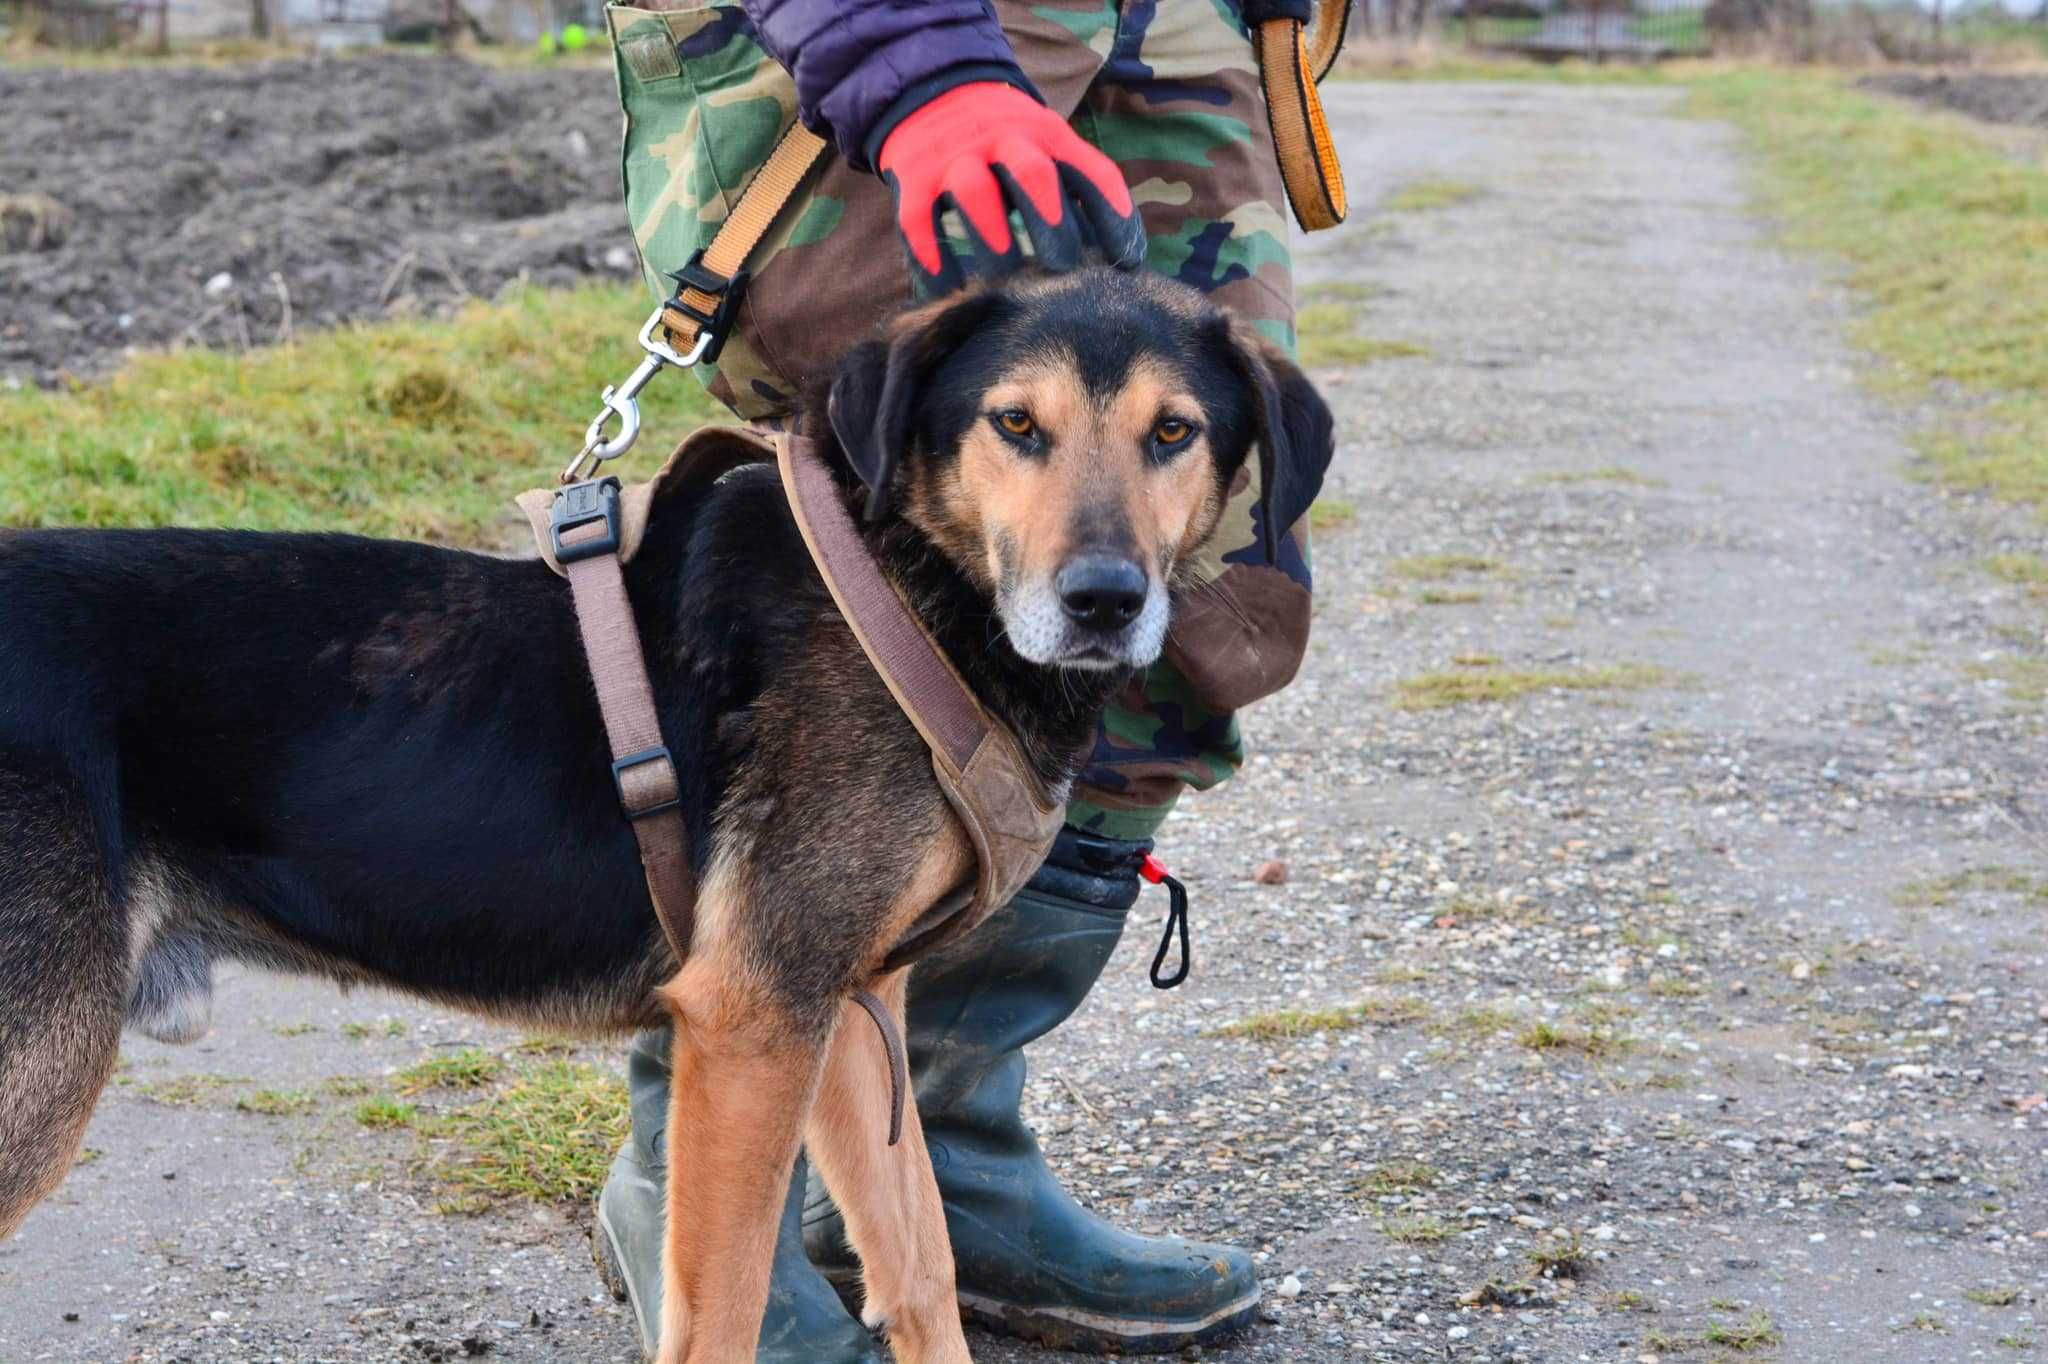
<point x="1730" y="990"/>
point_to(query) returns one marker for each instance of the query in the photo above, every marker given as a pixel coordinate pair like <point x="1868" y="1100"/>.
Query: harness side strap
<point x="649" y="789"/>
<point x="1301" y="135"/>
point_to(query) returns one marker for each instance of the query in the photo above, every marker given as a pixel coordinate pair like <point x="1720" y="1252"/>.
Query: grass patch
<point x="1939" y="892"/>
<point x="1476" y="660"/>
<point x="1434" y="691"/>
<point x="1331" y="513"/>
<point x="1613" y="473"/>
<point x="1475" y="1023"/>
<point x="1543" y="1036"/>
<point x="1945" y="236"/>
<point x="181" y="1091"/>
<point x="544" y="1046"/>
<point x="1745" y="1337"/>
<point x="1675" y="987"/>
<point x="1437" y="567"/>
<point x="2025" y="679"/>
<point x="465" y="1069"/>
<point x="386" y="1112"/>
<point x="1421" y="196"/>
<point x="1414" y="1231"/>
<point x="2004" y="1296"/>
<point x="1564" y="1258"/>
<point x="1327" y="334"/>
<point x="422" y="429"/>
<point x="1447" y="596"/>
<point x="276" y="1103"/>
<point x="2021" y="570"/>
<point x="390" y="1027"/>
<point x="1628" y="1300"/>
<point x="1285" y="1024"/>
<point x="549" y="1135"/>
<point x="347" y="1086"/>
<point x="295" y="1029"/>
<point x="1399" y="1176"/>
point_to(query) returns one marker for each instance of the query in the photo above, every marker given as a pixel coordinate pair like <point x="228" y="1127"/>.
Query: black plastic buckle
<point x="728" y="292"/>
<point x="658" y="753"/>
<point x="583" y="504"/>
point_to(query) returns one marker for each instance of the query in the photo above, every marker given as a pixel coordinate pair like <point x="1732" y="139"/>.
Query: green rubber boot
<point x="1030" y="1260"/>
<point x="805" y="1322"/>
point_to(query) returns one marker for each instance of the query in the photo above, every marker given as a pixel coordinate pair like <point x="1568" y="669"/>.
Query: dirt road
<point x="1704" y="1004"/>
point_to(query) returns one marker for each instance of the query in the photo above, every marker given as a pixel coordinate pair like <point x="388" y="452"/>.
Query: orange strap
<point x="1301" y="135"/>
<point x="761" y="203"/>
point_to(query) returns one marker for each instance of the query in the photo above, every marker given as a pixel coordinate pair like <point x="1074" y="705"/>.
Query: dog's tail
<point x="63" y="977"/>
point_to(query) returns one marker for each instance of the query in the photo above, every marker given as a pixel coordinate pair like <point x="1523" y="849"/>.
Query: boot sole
<point x="1079" y="1330"/>
<point x="1074" y="1328"/>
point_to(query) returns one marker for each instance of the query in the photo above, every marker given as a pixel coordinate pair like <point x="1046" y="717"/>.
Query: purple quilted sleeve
<point x="853" y="60"/>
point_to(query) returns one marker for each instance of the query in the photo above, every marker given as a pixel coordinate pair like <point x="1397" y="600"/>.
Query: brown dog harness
<point x="588" y="530"/>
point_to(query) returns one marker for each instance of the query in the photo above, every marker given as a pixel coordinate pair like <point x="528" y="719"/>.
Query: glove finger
<point x="976" y="192"/>
<point x="945" y="274"/>
<point x="1119" y="236"/>
<point x="1055" y="245"/>
<point x="1076" y="154"/>
<point x="921" y="236"/>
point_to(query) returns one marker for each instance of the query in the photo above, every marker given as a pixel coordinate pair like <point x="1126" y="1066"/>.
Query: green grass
<point x="2003" y="1296"/>
<point x="390" y="1027"/>
<point x="1285" y="1024"/>
<point x="468" y="1068"/>
<point x="1449" y="64"/>
<point x="1331" y="513"/>
<point x="1745" y="1337"/>
<point x="1326" y="334"/>
<point x="422" y="429"/>
<point x="1399" y="1176"/>
<point x="181" y="1091"/>
<point x="1946" y="239"/>
<point x="2021" y="570"/>
<point x="295" y="1029"/>
<point x="1561" y="1259"/>
<point x="1447" y="596"/>
<point x="1543" y="1036"/>
<point x="1435" y="691"/>
<point x="2025" y="679"/>
<point x="1415" y="1231"/>
<point x="1612" y="473"/>
<point x="386" y="1112"/>
<point x="1435" y="567"/>
<point x="1422" y="196"/>
<point x="1939" y="892"/>
<point x="548" y="1135"/>
<point x="276" y="1103"/>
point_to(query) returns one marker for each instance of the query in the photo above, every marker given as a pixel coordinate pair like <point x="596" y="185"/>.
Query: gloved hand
<point x="986" y="148"/>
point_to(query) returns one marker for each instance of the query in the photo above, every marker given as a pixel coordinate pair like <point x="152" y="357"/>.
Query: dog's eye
<point x="1173" y="431"/>
<point x="1015" y="421"/>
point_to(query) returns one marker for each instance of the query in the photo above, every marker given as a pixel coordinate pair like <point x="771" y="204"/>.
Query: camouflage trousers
<point x="1171" y="93"/>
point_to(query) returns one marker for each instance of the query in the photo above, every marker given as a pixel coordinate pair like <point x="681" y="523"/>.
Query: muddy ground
<point x="1704" y="1020"/>
<point x="193" y="201"/>
<point x="2016" y="98"/>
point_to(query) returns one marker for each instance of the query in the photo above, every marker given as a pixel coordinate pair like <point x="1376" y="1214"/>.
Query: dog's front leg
<point x="887" y="1194"/>
<point x="746" y="1068"/>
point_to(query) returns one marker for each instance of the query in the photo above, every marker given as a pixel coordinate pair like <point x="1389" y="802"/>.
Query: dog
<point x="383" y="763"/>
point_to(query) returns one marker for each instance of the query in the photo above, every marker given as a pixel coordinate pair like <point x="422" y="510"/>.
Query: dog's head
<point x="1069" y="441"/>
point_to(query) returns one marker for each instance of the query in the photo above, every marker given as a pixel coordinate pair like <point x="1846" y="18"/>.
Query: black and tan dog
<point x="382" y="763"/>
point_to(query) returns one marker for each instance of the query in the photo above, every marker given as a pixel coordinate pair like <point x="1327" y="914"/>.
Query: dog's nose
<point x="1100" y="592"/>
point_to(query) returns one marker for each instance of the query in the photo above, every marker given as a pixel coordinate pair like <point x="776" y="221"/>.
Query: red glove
<point x="988" y="149"/>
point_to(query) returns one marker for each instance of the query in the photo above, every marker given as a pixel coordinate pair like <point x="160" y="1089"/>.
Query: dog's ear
<point x="1292" y="424"/>
<point x="874" y="393"/>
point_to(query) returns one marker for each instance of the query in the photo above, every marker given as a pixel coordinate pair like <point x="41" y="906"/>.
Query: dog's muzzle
<point x="1099" y="611"/>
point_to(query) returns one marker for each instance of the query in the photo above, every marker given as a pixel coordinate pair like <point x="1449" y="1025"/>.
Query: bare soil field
<point x="188" y="204"/>
<point x="2017" y="98"/>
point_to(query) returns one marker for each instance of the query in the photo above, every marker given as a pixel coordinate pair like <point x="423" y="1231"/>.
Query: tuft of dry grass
<point x="1285" y="1024"/>
<point x="1434" y="691"/>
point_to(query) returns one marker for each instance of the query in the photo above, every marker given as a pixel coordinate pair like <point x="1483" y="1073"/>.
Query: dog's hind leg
<point x="63" y="983"/>
<point x="886" y="1193"/>
<point x="745" y="1070"/>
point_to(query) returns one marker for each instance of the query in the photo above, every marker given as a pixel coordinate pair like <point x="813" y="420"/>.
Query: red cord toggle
<point x="1152" y="869"/>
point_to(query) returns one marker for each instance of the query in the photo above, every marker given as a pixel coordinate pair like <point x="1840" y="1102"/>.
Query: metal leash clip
<point x="623" y="400"/>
